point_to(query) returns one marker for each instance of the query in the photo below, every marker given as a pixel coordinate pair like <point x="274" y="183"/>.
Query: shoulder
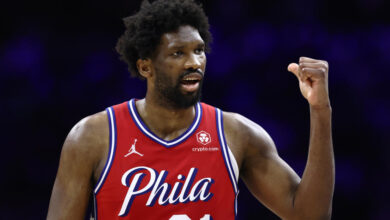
<point x="246" y="138"/>
<point x="89" y="137"/>
<point x="89" y="128"/>
<point x="244" y="129"/>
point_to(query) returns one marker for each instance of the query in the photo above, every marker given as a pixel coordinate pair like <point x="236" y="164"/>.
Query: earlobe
<point x="144" y="67"/>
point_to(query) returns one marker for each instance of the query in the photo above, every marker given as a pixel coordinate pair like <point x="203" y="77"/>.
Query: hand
<point x="312" y="75"/>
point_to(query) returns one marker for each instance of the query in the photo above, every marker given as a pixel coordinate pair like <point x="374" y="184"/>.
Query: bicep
<point x="73" y="182"/>
<point x="270" y="179"/>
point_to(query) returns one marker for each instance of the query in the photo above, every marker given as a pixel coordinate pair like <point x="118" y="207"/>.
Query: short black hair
<point x="145" y="28"/>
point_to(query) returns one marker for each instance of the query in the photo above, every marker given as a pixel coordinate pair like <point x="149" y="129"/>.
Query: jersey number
<point x="185" y="217"/>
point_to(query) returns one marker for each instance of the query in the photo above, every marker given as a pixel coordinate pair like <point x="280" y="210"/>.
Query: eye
<point x="177" y="53"/>
<point x="199" y="50"/>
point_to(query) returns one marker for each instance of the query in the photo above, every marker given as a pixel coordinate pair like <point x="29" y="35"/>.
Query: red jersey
<point x="192" y="177"/>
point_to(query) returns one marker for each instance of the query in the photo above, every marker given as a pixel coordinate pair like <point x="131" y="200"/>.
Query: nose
<point x="193" y="62"/>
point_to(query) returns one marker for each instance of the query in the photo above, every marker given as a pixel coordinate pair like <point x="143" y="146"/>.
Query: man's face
<point x="179" y="66"/>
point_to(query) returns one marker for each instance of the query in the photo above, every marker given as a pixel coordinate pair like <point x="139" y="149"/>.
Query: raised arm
<point x="317" y="185"/>
<point x="267" y="176"/>
<point x="79" y="164"/>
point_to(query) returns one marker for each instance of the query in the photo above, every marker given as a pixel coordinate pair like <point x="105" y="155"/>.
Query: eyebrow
<point x="180" y="47"/>
<point x="201" y="45"/>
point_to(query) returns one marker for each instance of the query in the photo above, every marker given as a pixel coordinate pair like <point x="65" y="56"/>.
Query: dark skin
<point x="267" y="176"/>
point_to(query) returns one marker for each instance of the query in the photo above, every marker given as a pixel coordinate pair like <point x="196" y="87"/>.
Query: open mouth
<point x="190" y="83"/>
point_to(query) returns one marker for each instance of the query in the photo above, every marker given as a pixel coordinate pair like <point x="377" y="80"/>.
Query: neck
<point x="166" y="122"/>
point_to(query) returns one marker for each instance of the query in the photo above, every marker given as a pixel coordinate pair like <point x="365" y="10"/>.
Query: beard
<point x="170" y="94"/>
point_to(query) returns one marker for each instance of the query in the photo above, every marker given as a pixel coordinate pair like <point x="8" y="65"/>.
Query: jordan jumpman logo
<point x="133" y="151"/>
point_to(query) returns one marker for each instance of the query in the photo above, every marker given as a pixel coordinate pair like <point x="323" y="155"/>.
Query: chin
<point x="187" y="100"/>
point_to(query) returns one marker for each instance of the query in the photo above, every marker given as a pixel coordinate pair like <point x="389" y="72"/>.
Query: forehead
<point x="185" y="35"/>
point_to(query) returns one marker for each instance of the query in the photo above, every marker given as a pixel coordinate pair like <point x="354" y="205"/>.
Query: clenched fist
<point x="312" y="75"/>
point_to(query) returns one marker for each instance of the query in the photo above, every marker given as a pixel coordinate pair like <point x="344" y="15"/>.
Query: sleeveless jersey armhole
<point x="234" y="163"/>
<point x="230" y="160"/>
<point x="111" y="153"/>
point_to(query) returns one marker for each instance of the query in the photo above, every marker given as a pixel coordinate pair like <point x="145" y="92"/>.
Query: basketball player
<point x="168" y="156"/>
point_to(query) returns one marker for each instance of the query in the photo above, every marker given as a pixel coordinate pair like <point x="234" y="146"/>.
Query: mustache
<point x="190" y="71"/>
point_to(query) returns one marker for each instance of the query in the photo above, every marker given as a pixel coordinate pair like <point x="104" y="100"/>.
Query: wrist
<point x="325" y="110"/>
<point x="321" y="108"/>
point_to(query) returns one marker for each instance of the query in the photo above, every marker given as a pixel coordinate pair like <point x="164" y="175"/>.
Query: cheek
<point x="175" y="68"/>
<point x="203" y="61"/>
<point x="170" y="66"/>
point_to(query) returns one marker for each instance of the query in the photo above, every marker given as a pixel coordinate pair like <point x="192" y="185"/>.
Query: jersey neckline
<point x="140" y="124"/>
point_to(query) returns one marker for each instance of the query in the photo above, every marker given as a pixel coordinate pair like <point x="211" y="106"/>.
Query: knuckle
<point x="322" y="71"/>
<point x="323" y="66"/>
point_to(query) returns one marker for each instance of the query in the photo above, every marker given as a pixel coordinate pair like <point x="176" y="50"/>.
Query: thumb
<point x="294" y="68"/>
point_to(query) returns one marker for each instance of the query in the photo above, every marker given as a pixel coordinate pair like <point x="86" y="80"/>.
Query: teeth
<point x="191" y="79"/>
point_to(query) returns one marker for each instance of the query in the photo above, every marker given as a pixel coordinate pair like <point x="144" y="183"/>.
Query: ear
<point x="145" y="67"/>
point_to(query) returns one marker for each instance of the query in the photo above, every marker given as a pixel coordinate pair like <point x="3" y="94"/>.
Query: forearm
<point x="313" y="197"/>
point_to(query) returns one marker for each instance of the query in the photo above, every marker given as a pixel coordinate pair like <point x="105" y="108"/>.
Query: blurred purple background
<point x="58" y="65"/>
